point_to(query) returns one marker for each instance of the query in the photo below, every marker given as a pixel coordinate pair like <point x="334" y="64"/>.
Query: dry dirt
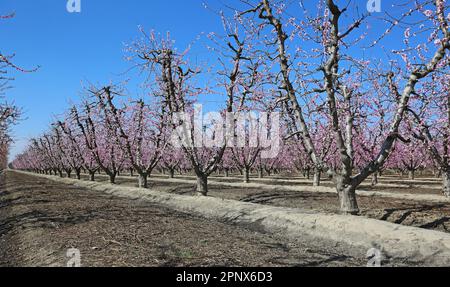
<point x="41" y="219"/>
<point x="433" y="216"/>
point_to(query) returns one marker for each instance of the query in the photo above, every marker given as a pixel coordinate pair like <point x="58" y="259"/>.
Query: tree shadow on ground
<point x="266" y="197"/>
<point x="330" y="259"/>
<point x="436" y="223"/>
<point x="408" y="211"/>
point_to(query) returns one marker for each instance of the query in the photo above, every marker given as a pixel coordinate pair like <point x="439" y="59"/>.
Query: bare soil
<point x="433" y="216"/>
<point x="41" y="219"/>
<point x="398" y="185"/>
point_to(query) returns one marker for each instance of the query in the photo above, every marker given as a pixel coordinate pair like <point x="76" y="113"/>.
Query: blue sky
<point x="72" y="48"/>
<point x="86" y="46"/>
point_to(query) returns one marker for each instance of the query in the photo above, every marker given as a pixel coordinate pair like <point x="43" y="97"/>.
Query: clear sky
<point x="72" y="48"/>
<point x="76" y="48"/>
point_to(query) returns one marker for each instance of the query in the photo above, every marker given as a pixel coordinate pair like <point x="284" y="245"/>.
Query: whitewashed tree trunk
<point x="347" y="198"/>
<point x="374" y="179"/>
<point x="246" y="175"/>
<point x="316" y="179"/>
<point x="202" y="185"/>
<point x="446" y="183"/>
<point x="143" y="183"/>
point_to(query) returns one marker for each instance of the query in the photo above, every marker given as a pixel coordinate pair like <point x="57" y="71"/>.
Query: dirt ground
<point x="434" y="216"/>
<point x="40" y="220"/>
<point x="387" y="184"/>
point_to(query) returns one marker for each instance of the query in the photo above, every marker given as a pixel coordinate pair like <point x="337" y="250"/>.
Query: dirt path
<point x="40" y="220"/>
<point x="429" y="215"/>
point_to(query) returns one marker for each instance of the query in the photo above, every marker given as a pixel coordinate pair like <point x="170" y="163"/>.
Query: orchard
<point x="325" y="102"/>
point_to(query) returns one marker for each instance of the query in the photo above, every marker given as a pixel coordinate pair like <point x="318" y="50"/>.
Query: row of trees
<point x="9" y="113"/>
<point x="63" y="151"/>
<point x="342" y="114"/>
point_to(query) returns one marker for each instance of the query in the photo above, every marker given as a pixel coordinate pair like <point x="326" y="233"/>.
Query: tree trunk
<point x="69" y="173"/>
<point x="260" y="173"/>
<point x="316" y="180"/>
<point x="202" y="185"/>
<point x="78" y="173"/>
<point x="307" y="173"/>
<point x="92" y="175"/>
<point x="412" y="174"/>
<point x="347" y="198"/>
<point x="438" y="174"/>
<point x="446" y="183"/>
<point x="374" y="179"/>
<point x="246" y="175"/>
<point x="227" y="172"/>
<point x="143" y="183"/>
<point x="60" y="173"/>
<point x="171" y="173"/>
<point x="112" y="178"/>
<point x="131" y="172"/>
